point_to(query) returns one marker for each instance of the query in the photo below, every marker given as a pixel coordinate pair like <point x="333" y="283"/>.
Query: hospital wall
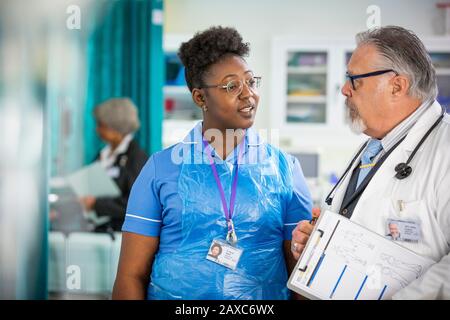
<point x="260" y="21"/>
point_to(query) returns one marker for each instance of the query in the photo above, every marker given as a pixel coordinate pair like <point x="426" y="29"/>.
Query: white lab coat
<point x="426" y="196"/>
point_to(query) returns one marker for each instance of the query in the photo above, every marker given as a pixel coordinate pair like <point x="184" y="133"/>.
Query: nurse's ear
<point x="199" y="98"/>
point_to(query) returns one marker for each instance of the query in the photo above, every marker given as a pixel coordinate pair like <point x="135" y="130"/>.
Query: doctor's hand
<point x="301" y="233"/>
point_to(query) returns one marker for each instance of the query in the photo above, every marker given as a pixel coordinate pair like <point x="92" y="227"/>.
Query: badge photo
<point x="224" y="254"/>
<point x="403" y="230"/>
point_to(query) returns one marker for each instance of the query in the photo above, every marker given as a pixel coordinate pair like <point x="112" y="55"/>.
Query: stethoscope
<point x="402" y="170"/>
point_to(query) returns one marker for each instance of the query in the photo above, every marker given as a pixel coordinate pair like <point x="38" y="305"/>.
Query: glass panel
<point x="306" y="87"/>
<point x="178" y="104"/>
<point x="306" y="113"/>
<point x="441" y="62"/>
<point x="444" y="91"/>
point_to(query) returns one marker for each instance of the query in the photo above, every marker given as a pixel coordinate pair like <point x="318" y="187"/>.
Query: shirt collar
<point x="404" y="127"/>
<point x="108" y="158"/>
<point x="251" y="142"/>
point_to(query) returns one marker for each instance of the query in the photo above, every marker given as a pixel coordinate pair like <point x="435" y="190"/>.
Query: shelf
<point x="176" y="90"/>
<point x="443" y="71"/>
<point x="306" y="99"/>
<point x="174" y="130"/>
<point x="308" y="70"/>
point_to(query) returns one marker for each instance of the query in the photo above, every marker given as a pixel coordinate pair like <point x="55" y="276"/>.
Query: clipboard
<point x="343" y="260"/>
<point x="92" y="180"/>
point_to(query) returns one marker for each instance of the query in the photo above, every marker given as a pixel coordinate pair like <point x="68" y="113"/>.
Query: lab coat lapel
<point x="342" y="188"/>
<point x="384" y="179"/>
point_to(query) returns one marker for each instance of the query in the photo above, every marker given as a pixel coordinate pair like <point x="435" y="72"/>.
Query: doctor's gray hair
<point x="405" y="53"/>
<point x="119" y="114"/>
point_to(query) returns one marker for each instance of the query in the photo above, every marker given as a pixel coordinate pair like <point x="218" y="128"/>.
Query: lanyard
<point x="231" y="235"/>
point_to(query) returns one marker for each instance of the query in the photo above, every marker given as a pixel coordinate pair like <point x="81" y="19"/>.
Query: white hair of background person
<point x="119" y="114"/>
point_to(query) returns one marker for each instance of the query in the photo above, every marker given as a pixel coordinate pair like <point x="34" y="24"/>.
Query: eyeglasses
<point x="366" y="75"/>
<point x="235" y="87"/>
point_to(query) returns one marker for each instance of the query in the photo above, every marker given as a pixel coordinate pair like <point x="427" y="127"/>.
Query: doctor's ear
<point x="400" y="86"/>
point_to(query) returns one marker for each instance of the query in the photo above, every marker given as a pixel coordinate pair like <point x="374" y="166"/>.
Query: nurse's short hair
<point x="207" y="48"/>
<point x="402" y="51"/>
<point x="119" y="114"/>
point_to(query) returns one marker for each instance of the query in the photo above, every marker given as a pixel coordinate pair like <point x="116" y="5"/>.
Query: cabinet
<point x="306" y="82"/>
<point x="306" y="86"/>
<point x="439" y="49"/>
<point x="307" y="76"/>
<point x="180" y="112"/>
<point x="306" y="105"/>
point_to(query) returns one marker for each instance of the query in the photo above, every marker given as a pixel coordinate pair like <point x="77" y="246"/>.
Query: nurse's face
<point x="228" y="109"/>
<point x="215" y="251"/>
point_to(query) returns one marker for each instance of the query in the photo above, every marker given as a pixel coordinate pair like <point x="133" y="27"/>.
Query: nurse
<point x="221" y="186"/>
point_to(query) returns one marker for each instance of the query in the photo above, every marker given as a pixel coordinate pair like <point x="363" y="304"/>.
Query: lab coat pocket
<point x="403" y="209"/>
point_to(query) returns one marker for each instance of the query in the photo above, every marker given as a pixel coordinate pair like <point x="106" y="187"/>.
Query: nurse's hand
<point x="301" y="234"/>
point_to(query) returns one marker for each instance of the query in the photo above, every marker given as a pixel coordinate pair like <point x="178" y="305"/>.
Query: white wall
<point x="260" y="20"/>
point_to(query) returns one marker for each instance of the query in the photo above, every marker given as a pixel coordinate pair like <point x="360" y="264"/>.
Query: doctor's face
<point x="234" y="108"/>
<point x="393" y="230"/>
<point x="366" y="102"/>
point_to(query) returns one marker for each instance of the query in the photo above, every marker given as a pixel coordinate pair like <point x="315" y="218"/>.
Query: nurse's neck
<point x="224" y="141"/>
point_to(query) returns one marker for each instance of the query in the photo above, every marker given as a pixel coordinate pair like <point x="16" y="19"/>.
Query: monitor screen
<point x="309" y="163"/>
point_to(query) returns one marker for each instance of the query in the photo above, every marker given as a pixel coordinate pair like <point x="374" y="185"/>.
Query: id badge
<point x="403" y="230"/>
<point x="224" y="254"/>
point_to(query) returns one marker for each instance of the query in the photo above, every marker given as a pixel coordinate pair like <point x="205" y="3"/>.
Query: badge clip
<point x="231" y="235"/>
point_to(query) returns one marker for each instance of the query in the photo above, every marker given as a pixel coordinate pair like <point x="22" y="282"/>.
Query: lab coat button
<point x="344" y="212"/>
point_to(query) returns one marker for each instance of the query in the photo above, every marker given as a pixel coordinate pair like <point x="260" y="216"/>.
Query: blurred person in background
<point x="117" y="120"/>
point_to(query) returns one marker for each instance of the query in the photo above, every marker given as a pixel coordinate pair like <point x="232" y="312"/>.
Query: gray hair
<point x="403" y="52"/>
<point x="119" y="114"/>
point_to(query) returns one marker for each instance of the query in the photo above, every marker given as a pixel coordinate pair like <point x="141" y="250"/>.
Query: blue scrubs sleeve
<point x="144" y="211"/>
<point x="300" y="203"/>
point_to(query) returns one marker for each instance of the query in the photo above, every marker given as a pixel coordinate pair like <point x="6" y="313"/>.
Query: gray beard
<point x="354" y="120"/>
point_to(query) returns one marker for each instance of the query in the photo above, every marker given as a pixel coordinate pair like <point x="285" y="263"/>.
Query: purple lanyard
<point x="228" y="213"/>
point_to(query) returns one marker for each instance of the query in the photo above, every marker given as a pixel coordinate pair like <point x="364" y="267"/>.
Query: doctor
<point x="402" y="173"/>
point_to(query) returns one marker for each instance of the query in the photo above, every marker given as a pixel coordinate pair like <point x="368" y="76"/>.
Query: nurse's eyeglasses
<point x="352" y="78"/>
<point x="235" y="87"/>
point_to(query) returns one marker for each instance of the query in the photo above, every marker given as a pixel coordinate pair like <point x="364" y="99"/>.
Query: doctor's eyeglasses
<point x="352" y="78"/>
<point x="235" y="87"/>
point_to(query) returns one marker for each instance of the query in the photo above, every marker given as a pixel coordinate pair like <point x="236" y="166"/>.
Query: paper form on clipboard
<point x="343" y="260"/>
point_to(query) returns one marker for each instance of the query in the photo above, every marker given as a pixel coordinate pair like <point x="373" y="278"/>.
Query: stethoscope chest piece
<point x="402" y="171"/>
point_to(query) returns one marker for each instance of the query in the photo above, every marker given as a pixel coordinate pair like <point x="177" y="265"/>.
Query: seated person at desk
<point x="122" y="158"/>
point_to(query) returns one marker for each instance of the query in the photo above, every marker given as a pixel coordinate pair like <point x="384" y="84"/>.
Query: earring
<point x="205" y="108"/>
